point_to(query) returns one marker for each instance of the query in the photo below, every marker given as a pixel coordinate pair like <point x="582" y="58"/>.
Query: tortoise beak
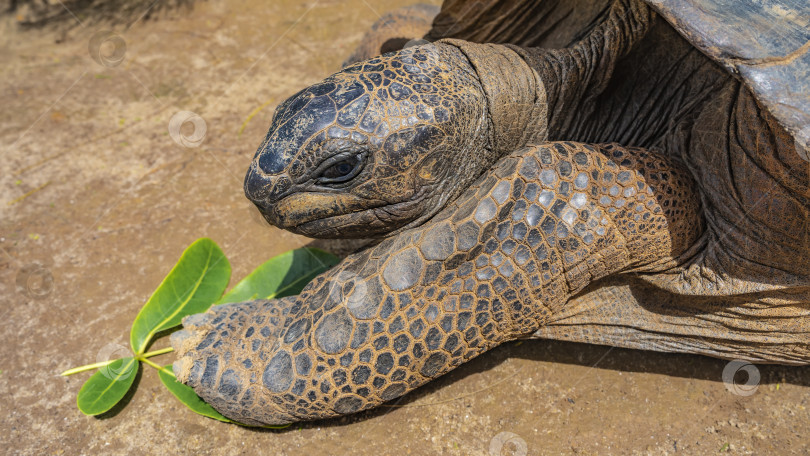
<point x="302" y="208"/>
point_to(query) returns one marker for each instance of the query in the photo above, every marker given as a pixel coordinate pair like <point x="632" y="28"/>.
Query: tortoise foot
<point x="219" y="350"/>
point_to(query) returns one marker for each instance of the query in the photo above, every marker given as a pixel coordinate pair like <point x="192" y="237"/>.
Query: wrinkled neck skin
<point x="515" y="95"/>
<point x="535" y="94"/>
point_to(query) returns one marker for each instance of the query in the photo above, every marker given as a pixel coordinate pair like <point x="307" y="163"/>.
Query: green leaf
<point x="283" y="275"/>
<point x="187" y="396"/>
<point x="196" y="281"/>
<point x="106" y="387"/>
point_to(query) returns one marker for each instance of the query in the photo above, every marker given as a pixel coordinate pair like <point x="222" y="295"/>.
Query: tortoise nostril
<point x="264" y="190"/>
<point x="257" y="186"/>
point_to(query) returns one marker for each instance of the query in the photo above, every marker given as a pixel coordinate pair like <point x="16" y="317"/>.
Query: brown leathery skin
<point x="494" y="265"/>
<point x="668" y="210"/>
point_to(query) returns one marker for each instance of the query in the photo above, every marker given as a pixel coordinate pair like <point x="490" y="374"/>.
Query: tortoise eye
<point x="341" y="171"/>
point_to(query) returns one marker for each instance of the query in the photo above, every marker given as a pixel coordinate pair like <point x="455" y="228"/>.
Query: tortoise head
<point x="381" y="145"/>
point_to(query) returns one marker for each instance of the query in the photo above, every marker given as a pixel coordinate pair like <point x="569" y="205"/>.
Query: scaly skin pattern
<point x="625" y="190"/>
<point x="492" y="266"/>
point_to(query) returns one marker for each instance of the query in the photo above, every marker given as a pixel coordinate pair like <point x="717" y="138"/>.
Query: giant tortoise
<point x="605" y="171"/>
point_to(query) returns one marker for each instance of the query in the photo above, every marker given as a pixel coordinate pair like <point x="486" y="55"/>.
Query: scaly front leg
<point x="491" y="267"/>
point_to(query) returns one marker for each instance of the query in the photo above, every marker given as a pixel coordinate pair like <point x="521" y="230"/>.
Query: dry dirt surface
<point x="98" y="200"/>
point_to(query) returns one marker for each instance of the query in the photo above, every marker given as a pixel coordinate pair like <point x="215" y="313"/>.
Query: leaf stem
<point x="157" y="352"/>
<point x="76" y="370"/>
<point x="142" y="357"/>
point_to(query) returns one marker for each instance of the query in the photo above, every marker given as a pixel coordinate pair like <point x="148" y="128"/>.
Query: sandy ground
<point x="97" y="201"/>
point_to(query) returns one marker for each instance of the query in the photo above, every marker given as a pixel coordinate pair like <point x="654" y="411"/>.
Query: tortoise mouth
<point x="328" y="215"/>
<point x="325" y="214"/>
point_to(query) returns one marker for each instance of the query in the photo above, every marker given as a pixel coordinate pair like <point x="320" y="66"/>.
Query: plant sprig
<point x="194" y="284"/>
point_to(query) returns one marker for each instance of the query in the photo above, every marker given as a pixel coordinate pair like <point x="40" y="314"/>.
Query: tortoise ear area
<point x="430" y="170"/>
<point x="406" y="147"/>
<point x="438" y="165"/>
